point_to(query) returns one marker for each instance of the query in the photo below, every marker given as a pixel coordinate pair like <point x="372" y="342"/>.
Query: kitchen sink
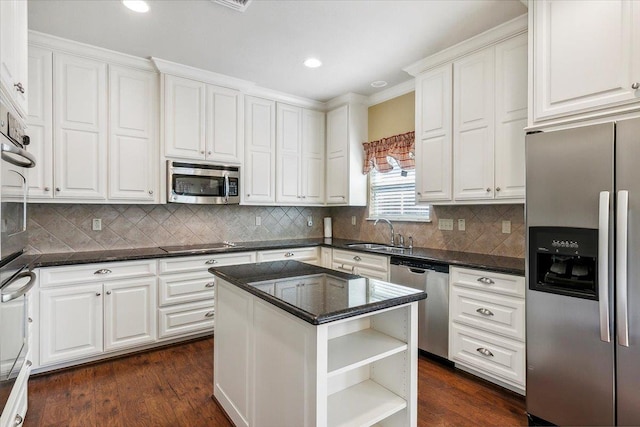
<point x="378" y="247"/>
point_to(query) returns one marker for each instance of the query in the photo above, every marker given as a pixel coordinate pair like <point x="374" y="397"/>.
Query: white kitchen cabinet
<point x="80" y="127"/>
<point x="586" y="58"/>
<point x="14" y="84"/>
<point x="184" y="117"/>
<point x="487" y="325"/>
<point x="202" y="121"/>
<point x="313" y="163"/>
<point x="346" y="131"/>
<point x="434" y="144"/>
<point x="133" y="134"/>
<point x="259" y="170"/>
<point x="40" y="122"/>
<point x="363" y="264"/>
<point x="308" y="255"/>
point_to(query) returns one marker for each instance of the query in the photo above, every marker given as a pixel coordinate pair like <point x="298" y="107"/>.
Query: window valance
<point x="400" y="147"/>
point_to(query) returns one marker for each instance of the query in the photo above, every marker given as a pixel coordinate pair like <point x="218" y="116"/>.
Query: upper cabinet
<point x="13" y="55"/>
<point x="259" y="171"/>
<point x="586" y="59"/>
<point x="202" y="121"/>
<point x="346" y="131"/>
<point x="471" y="113"/>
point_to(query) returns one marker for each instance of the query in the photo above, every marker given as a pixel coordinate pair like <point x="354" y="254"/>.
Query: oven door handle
<point x="9" y="149"/>
<point x="23" y="290"/>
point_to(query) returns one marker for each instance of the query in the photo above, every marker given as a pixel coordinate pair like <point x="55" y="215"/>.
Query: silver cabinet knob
<point x="484" y="312"/>
<point x="497" y="188"/>
<point x="483" y="351"/>
<point x="211" y="261"/>
<point x="18" y="421"/>
<point x="485" y="280"/>
<point x="210" y="285"/>
<point x="98" y="294"/>
<point x="289" y="254"/>
<point x="102" y="271"/>
<point x="635" y="86"/>
<point x="108" y="292"/>
<point x="248" y="195"/>
<point x="46" y="189"/>
<point x="419" y="193"/>
<point x="58" y="189"/>
<point x="151" y="192"/>
<point x="357" y="258"/>
<point x="30" y="320"/>
<point x="209" y="152"/>
<point x="201" y="151"/>
<point x="488" y="190"/>
<point x="19" y="87"/>
<point x="209" y="314"/>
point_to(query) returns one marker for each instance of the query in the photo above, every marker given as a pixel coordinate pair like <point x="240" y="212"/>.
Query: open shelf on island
<point x="360" y="348"/>
<point x="363" y="404"/>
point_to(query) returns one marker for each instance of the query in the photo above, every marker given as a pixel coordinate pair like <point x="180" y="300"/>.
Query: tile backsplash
<point x="67" y="227"/>
<point x="482" y="234"/>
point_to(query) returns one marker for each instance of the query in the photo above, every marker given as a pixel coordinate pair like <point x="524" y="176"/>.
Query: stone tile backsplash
<point x="67" y="227"/>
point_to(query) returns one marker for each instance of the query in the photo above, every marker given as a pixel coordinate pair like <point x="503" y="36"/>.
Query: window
<point x="392" y="195"/>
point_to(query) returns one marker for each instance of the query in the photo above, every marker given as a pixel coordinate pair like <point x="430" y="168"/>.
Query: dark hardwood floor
<point x="172" y="387"/>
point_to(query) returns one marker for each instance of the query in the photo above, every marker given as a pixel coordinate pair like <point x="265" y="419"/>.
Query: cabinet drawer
<point x="492" y="312"/>
<point x="203" y="262"/>
<point x="360" y="259"/>
<point x="299" y="254"/>
<point x="492" y="282"/>
<point x="503" y="358"/>
<point x="69" y="275"/>
<point x="187" y="287"/>
<point x="186" y="318"/>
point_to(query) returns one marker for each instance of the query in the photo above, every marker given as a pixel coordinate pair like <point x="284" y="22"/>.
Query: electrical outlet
<point x="445" y="224"/>
<point x="353" y="220"/>
<point x="96" y="224"/>
<point x="310" y="221"/>
<point x="461" y="225"/>
<point x="258" y="220"/>
<point x="506" y="227"/>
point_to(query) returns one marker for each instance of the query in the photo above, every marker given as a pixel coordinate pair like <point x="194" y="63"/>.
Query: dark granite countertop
<point x="315" y="294"/>
<point x="464" y="259"/>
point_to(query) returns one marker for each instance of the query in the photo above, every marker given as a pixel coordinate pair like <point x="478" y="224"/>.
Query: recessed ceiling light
<point x="312" y="62"/>
<point x="379" y="83"/>
<point x="140" y="6"/>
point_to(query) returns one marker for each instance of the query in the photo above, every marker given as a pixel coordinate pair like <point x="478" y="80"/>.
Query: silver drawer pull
<point x="485" y="312"/>
<point x="210" y="285"/>
<point x="102" y="271"/>
<point x="486" y="281"/>
<point x="357" y="258"/>
<point x="289" y="254"/>
<point x="211" y="261"/>
<point x="209" y="314"/>
<point x="483" y="351"/>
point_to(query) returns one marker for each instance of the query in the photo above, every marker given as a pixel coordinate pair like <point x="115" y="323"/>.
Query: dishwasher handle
<point x="417" y="270"/>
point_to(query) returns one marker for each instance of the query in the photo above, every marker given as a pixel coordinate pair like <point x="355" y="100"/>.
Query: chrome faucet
<point x="393" y="236"/>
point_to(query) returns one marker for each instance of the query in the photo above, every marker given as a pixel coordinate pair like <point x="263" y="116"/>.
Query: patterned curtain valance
<point x="400" y="147"/>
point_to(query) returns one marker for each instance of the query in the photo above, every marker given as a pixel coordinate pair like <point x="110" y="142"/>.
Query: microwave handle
<point x="23" y="290"/>
<point x="29" y="161"/>
<point x="226" y="188"/>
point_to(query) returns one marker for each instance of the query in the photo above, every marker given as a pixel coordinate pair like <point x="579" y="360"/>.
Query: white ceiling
<point x="358" y="41"/>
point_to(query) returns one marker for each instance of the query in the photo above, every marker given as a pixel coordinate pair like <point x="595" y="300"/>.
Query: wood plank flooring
<point x="172" y="387"/>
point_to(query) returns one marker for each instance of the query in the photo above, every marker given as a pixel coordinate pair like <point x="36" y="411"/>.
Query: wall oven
<point x="203" y="183"/>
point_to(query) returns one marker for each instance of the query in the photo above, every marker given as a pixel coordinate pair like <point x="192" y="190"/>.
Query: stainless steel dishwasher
<point x="433" y="313"/>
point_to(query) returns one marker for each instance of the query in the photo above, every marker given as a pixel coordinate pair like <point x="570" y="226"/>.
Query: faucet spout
<point x="393" y="236"/>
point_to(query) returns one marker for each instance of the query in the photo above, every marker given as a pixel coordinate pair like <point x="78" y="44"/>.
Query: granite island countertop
<point x="319" y="295"/>
<point x="509" y="265"/>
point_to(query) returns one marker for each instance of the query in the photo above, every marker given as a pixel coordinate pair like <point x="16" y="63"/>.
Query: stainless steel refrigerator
<point x="583" y="275"/>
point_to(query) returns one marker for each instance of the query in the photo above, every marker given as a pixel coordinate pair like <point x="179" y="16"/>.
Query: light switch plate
<point x="506" y="227"/>
<point x="258" y="220"/>
<point x="461" y="225"/>
<point x="310" y="221"/>
<point x="445" y="224"/>
<point x="96" y="224"/>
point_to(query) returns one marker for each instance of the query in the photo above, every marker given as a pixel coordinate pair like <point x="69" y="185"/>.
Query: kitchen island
<point x="301" y="345"/>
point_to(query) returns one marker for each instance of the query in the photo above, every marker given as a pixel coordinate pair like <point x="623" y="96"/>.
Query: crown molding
<point x="392" y="92"/>
<point x="59" y="44"/>
<point x="285" y="98"/>
<point x="167" y="67"/>
<point x="490" y="37"/>
<point x="347" y="98"/>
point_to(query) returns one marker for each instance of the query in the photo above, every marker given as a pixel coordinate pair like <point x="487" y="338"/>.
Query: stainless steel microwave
<point x="204" y="184"/>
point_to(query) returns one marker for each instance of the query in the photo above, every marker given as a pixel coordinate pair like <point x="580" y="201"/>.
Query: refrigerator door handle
<point x="622" y="309"/>
<point x="603" y="266"/>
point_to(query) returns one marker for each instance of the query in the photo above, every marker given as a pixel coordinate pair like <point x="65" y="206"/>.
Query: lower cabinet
<point x="487" y="325"/>
<point x="308" y="255"/>
<point x="363" y="264"/>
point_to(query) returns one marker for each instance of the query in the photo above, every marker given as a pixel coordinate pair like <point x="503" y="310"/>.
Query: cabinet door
<point x="80" y="127"/>
<point x="40" y="122"/>
<point x="73" y="327"/>
<point x="511" y="117"/>
<point x="184" y="118"/>
<point x="433" y="135"/>
<point x="260" y="150"/>
<point x="586" y="55"/>
<point x="473" y="126"/>
<point x="13" y="52"/>
<point x="289" y="153"/>
<point x="313" y="164"/>
<point x="130" y="313"/>
<point x="224" y="125"/>
<point x="133" y="134"/>
<point x="337" y="155"/>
